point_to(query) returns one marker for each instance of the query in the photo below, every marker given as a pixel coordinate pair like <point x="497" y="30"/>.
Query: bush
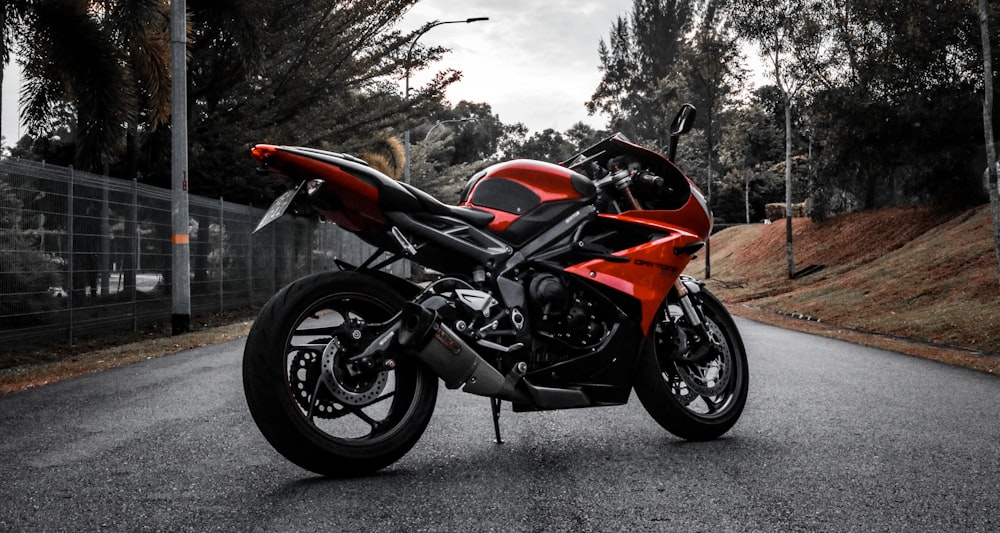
<point x="25" y="279"/>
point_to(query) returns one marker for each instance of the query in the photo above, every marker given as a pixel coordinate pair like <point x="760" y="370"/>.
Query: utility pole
<point x="181" y="235"/>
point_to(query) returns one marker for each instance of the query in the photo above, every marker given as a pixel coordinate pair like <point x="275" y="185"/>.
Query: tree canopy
<point x="638" y="56"/>
<point x="883" y="98"/>
<point x="305" y="72"/>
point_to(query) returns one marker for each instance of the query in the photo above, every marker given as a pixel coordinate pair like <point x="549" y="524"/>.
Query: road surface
<point x="835" y="437"/>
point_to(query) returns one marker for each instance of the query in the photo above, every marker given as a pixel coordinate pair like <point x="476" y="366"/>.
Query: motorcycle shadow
<point x="531" y="454"/>
<point x="608" y="481"/>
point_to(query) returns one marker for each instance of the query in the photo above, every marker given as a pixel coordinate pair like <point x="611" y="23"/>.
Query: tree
<point x="752" y="145"/>
<point x="108" y="59"/>
<point x="893" y="105"/>
<point x="7" y="28"/>
<point x="548" y="145"/>
<point x="991" y="154"/>
<point x="789" y="39"/>
<point x="476" y="131"/>
<point x="710" y="70"/>
<point x="68" y="56"/>
<point x="453" y="144"/>
<point x="431" y="174"/>
<point x="326" y="78"/>
<point x="584" y="136"/>
<point x="638" y="55"/>
<point x="141" y="29"/>
<point x="308" y="72"/>
<point x="886" y="99"/>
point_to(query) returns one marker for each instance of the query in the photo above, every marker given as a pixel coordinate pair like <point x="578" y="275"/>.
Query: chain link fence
<point x="81" y="254"/>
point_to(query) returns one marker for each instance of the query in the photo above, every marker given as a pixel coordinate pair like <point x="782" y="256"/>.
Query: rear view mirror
<point x="682" y="124"/>
<point x="684" y="120"/>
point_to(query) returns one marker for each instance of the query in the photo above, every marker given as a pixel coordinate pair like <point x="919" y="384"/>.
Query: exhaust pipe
<point x="455" y="362"/>
<point x="422" y="333"/>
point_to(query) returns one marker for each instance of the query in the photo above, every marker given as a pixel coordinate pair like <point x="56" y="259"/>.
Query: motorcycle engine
<point x="568" y="321"/>
<point x="564" y="320"/>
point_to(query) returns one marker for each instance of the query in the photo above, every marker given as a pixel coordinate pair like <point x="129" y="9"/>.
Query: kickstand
<point x="495" y="407"/>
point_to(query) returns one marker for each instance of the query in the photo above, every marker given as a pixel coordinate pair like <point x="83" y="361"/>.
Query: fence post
<point x="274" y="258"/>
<point x="311" y="225"/>
<point x="222" y="254"/>
<point x="105" y="260"/>
<point x="249" y="257"/>
<point x="71" y="199"/>
<point x="136" y="254"/>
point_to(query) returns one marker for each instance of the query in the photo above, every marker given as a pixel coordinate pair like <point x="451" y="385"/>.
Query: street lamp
<point x="450" y="121"/>
<point x="406" y="94"/>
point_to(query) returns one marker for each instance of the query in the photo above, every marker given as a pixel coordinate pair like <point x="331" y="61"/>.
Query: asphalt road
<point x="835" y="437"/>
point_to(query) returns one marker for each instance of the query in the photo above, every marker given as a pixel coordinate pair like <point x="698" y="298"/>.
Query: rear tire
<point x="308" y="406"/>
<point x="694" y="401"/>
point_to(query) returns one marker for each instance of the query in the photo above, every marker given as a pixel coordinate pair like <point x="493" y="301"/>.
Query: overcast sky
<point x="10" y="90"/>
<point x="533" y="62"/>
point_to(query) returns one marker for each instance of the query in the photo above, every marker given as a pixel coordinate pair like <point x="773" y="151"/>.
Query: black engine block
<point x="568" y="319"/>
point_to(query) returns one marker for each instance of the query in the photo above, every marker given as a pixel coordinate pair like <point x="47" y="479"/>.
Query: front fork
<point x="701" y="348"/>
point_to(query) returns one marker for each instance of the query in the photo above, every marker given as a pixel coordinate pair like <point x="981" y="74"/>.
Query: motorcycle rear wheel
<point x="303" y="398"/>
<point x="694" y="401"/>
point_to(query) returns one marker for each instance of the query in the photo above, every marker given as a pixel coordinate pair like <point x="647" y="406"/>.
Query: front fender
<point x="693" y="285"/>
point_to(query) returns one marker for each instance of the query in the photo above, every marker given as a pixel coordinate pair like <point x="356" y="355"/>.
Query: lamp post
<point x="406" y="94"/>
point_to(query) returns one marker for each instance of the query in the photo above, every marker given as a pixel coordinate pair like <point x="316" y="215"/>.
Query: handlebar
<point x="623" y="179"/>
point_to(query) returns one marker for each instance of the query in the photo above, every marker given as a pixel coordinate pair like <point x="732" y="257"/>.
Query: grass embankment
<point x="928" y="275"/>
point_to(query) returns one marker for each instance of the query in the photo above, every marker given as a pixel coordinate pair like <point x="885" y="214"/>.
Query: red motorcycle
<point x="561" y="287"/>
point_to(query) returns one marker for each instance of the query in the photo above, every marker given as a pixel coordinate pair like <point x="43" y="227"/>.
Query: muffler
<point x="447" y="355"/>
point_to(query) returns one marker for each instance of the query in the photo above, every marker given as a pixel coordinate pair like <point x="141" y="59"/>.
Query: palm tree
<point x="68" y="56"/>
<point x="110" y="59"/>
<point x="141" y="29"/>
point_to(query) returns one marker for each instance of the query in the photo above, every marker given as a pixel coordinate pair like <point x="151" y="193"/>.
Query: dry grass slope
<point x="927" y="274"/>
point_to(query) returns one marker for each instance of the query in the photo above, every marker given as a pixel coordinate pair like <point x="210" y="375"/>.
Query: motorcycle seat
<point x="394" y="195"/>
<point x="475" y="217"/>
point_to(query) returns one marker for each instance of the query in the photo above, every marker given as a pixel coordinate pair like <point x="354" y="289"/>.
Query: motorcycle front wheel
<point x="694" y="401"/>
<point x="318" y="407"/>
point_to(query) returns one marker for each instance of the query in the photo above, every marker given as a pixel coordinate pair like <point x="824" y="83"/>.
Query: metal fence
<point x="81" y="253"/>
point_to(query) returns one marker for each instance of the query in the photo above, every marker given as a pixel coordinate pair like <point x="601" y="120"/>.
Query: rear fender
<point x="351" y="193"/>
<point x="407" y="289"/>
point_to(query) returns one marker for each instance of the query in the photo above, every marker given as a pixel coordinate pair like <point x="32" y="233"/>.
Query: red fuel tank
<point x="525" y="196"/>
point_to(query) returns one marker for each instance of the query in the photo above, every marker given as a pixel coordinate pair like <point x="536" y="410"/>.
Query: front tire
<point x="313" y="409"/>
<point x="694" y="401"/>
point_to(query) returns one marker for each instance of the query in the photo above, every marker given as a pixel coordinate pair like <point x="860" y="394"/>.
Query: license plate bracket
<point x="279" y="207"/>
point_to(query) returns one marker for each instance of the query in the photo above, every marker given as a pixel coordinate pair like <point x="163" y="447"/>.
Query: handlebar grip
<point x="651" y="179"/>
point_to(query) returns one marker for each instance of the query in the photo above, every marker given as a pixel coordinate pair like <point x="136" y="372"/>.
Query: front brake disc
<point x="711" y="377"/>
